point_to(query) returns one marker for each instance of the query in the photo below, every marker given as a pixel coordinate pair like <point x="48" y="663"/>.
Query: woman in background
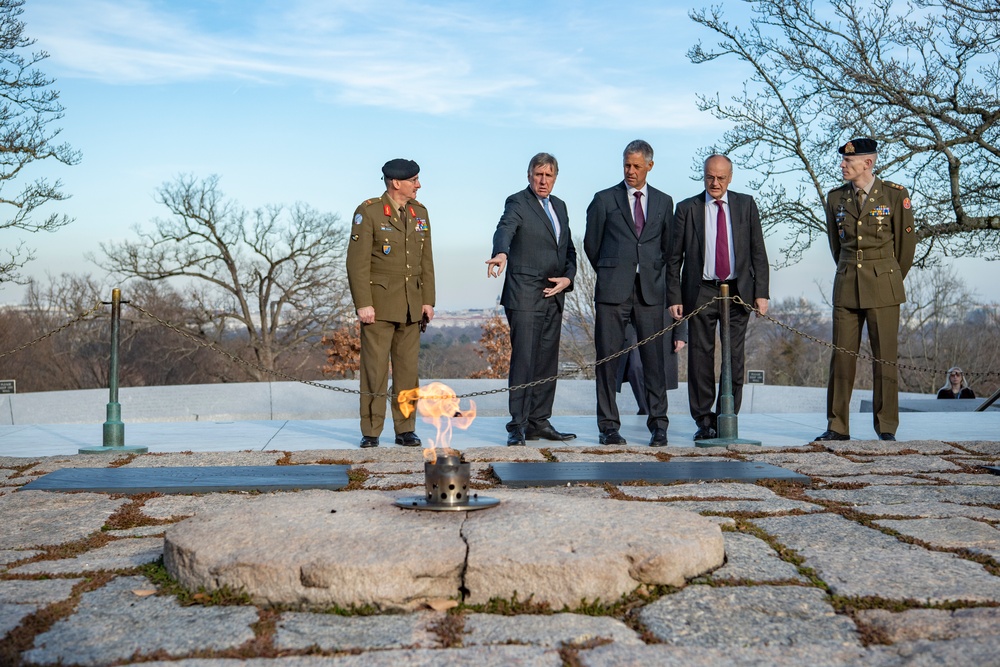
<point x="956" y="386"/>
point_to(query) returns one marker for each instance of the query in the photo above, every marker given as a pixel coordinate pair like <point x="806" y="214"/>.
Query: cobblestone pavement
<point x="891" y="557"/>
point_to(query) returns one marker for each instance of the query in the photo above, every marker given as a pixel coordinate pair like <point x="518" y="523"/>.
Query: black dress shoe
<point x="408" y="439"/>
<point x="515" y="437"/>
<point x="886" y="436"/>
<point x="369" y="441"/>
<point x="658" y="438"/>
<point x="705" y="433"/>
<point x="831" y="435"/>
<point x="611" y="436"/>
<point x="546" y="433"/>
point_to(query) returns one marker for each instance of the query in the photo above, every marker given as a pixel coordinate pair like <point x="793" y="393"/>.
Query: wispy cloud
<point x="560" y="65"/>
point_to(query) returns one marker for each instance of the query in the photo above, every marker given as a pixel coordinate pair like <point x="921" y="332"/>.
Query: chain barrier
<point x="565" y="374"/>
<point x="79" y="318"/>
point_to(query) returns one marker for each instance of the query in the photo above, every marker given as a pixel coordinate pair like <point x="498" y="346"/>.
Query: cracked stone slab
<point x="322" y="548"/>
<point x="478" y="656"/>
<point x="955" y="533"/>
<point x="21" y="598"/>
<point x="550" y="630"/>
<point x="888" y="495"/>
<point x="329" y="632"/>
<point x="40" y="518"/>
<point x="112" y="624"/>
<point x="118" y="555"/>
<point x="717" y="617"/>
<point x="856" y="561"/>
<point x="932" y="624"/>
<point x="749" y="558"/>
<point x="881" y="447"/>
<point x="931" y="510"/>
<point x="987" y="447"/>
<point x="201" y="459"/>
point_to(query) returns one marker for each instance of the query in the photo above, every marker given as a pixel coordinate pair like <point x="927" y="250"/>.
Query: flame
<point x="438" y="404"/>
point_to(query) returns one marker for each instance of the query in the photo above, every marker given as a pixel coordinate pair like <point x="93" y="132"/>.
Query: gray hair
<point x="714" y="155"/>
<point x="641" y="147"/>
<point x="542" y="160"/>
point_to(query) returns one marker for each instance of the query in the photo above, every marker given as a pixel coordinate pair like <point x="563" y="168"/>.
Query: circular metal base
<point x="114" y="449"/>
<point x="471" y="504"/>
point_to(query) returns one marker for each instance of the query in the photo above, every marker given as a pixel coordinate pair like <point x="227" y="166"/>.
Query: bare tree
<point x="276" y="273"/>
<point x="577" y="344"/>
<point x="923" y="80"/>
<point x="28" y="107"/>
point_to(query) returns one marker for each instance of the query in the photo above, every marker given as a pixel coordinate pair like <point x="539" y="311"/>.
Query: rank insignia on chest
<point x="386" y="248"/>
<point x="422" y="225"/>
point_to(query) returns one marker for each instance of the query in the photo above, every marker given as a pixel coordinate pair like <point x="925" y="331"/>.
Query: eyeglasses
<point x="953" y="374"/>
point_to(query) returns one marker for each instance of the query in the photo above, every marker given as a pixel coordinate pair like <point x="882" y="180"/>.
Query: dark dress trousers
<point x="630" y="287"/>
<point x="526" y="236"/>
<point x="685" y="285"/>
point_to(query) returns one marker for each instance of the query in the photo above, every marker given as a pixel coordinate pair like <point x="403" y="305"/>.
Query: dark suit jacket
<point x="614" y="249"/>
<point x="687" y="258"/>
<point x="525" y="235"/>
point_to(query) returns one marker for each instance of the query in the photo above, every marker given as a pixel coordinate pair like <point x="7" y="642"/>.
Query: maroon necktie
<point x="640" y="217"/>
<point x="721" y="244"/>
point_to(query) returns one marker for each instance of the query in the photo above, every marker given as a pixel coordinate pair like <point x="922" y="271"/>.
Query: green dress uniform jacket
<point x="390" y="267"/>
<point x="873" y="243"/>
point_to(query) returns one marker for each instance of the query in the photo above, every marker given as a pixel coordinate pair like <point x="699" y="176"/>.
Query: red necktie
<point x="640" y="217"/>
<point x="721" y="244"/>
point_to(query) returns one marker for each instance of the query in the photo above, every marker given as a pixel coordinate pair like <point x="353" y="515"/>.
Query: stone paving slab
<point x="984" y="479"/>
<point x="394" y="481"/>
<point x="480" y="656"/>
<point x="8" y="556"/>
<point x="887" y="495"/>
<point x="118" y="555"/>
<point x="329" y="632"/>
<point x="833" y="465"/>
<point x="856" y="561"/>
<point x="198" y="459"/>
<point x="882" y="448"/>
<point x="888" y="480"/>
<point x="931" y="510"/>
<point x="601" y="457"/>
<point x="550" y="630"/>
<point x="112" y="623"/>
<point x="989" y="447"/>
<point x="21" y="598"/>
<point x="179" y="506"/>
<point x="194" y="479"/>
<point x="932" y="624"/>
<point x="39" y="518"/>
<point x="951" y="533"/>
<point x="722" y="616"/>
<point x="749" y="558"/>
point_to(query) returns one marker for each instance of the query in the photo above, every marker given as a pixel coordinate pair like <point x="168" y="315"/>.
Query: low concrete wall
<point x="292" y="401"/>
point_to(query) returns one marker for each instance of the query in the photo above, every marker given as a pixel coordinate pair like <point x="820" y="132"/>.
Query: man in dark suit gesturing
<point x="627" y="243"/>
<point x="717" y="239"/>
<point x="534" y="243"/>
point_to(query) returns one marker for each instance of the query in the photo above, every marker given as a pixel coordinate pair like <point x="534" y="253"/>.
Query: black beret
<point x="400" y="169"/>
<point x="859" y="147"/>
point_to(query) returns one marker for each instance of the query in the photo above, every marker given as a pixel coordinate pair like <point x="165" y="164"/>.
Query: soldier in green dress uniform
<point x="390" y="269"/>
<point x="870" y="225"/>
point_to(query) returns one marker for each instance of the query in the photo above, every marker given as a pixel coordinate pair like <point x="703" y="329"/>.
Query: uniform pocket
<point x="889" y="282"/>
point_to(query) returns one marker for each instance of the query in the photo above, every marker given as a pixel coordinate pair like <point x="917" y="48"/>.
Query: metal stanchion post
<point x="114" y="428"/>
<point x="727" y="420"/>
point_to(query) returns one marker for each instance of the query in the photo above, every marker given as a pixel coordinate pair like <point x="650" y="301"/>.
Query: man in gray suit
<point x="717" y="240"/>
<point x="627" y="243"/>
<point x="534" y="243"/>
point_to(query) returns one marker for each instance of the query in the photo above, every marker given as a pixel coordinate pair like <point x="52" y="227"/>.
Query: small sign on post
<point x="8" y="386"/>
<point x="755" y="377"/>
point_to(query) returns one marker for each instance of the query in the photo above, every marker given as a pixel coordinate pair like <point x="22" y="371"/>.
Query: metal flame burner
<point x="447" y="484"/>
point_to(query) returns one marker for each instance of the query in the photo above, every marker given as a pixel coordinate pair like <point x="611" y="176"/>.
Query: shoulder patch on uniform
<point x="896" y="186"/>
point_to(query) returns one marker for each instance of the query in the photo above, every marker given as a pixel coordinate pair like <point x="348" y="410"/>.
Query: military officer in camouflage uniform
<point x="390" y="269"/>
<point x="870" y="225"/>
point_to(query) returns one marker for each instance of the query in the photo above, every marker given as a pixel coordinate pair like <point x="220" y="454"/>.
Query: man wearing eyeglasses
<point x="390" y="269"/>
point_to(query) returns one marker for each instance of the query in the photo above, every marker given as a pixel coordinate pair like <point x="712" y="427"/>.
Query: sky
<point x="304" y="100"/>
